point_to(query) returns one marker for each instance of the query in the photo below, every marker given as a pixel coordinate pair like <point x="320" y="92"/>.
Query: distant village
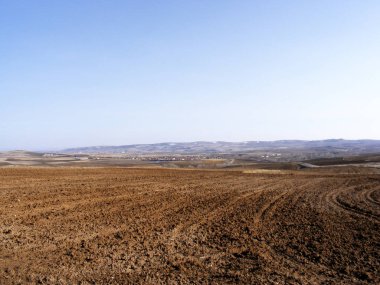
<point x="137" y="157"/>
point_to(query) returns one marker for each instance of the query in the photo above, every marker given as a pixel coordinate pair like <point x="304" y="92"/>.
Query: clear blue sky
<point x="80" y="73"/>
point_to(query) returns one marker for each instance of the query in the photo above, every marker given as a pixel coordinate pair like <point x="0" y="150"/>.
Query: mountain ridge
<point x="204" y="147"/>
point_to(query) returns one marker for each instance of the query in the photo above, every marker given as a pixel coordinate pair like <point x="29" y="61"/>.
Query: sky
<point x="97" y="72"/>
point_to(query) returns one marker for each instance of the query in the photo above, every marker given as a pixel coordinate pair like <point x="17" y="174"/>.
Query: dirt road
<point x="155" y="226"/>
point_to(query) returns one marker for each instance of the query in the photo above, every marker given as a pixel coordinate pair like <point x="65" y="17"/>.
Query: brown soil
<point x="156" y="226"/>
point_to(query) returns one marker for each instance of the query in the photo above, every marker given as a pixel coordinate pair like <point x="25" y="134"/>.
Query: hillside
<point x="204" y="147"/>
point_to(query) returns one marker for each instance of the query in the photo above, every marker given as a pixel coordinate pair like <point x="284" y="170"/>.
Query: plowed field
<point x="157" y="226"/>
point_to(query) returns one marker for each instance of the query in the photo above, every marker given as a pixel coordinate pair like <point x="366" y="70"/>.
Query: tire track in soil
<point x="283" y="262"/>
<point x="369" y="195"/>
<point x="334" y="197"/>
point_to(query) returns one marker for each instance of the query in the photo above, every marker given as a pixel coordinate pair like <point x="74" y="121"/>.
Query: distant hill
<point x="205" y="147"/>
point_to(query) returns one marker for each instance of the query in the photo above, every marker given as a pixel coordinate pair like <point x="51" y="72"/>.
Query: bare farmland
<point x="159" y="226"/>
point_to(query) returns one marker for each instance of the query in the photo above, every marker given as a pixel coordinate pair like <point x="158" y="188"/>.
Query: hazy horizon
<point x="88" y="73"/>
<point x="175" y="142"/>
